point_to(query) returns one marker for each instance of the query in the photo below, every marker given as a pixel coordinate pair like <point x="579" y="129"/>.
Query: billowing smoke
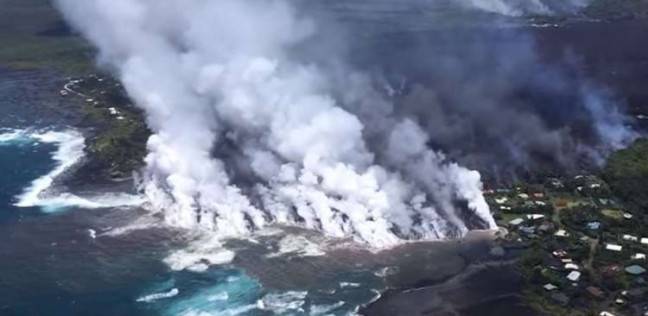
<point x="248" y="131"/>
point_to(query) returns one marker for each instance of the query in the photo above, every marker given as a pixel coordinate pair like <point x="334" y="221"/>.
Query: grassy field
<point x="33" y="35"/>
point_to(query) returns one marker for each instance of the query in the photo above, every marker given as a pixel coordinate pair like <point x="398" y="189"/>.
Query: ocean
<point x="60" y="256"/>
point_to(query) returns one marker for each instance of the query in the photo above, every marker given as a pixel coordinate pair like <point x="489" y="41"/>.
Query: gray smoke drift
<point x="486" y="98"/>
<point x="247" y="134"/>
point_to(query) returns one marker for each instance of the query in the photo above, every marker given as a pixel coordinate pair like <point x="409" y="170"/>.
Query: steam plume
<point x="247" y="134"/>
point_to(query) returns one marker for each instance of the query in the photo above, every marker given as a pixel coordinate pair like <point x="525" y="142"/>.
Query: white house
<point x="644" y="241"/>
<point x="534" y="216"/>
<point x="574" y="276"/>
<point x="613" y="247"/>
<point x="571" y="266"/>
<point x="561" y="233"/>
<point x="550" y="287"/>
<point x="630" y="238"/>
<point x="516" y="222"/>
<point x="638" y="256"/>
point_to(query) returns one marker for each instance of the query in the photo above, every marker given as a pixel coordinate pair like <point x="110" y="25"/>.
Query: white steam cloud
<point x="213" y="73"/>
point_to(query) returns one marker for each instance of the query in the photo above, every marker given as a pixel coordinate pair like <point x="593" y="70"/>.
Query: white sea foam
<point x="71" y="145"/>
<point x="349" y="284"/>
<point x="316" y="310"/>
<point x="297" y="245"/>
<point x="222" y="296"/>
<point x="158" y="296"/>
<point x="199" y="255"/>
<point x="239" y="310"/>
<point x="282" y="303"/>
<point x="10" y="136"/>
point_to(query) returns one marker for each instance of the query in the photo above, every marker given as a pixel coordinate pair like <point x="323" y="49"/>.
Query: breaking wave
<point x="70" y="151"/>
<point x="158" y="296"/>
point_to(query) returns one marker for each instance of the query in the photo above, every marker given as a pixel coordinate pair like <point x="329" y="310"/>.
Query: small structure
<point x="644" y="241"/>
<point x="550" y="287"/>
<point x="501" y="200"/>
<point x="527" y="230"/>
<point x="523" y="196"/>
<point x="571" y="266"/>
<point x="534" y="216"/>
<point x="540" y="203"/>
<point x="606" y="313"/>
<point x="561" y="233"/>
<point x="638" y="256"/>
<point x="613" y="247"/>
<point x="595" y="292"/>
<point x="593" y="225"/>
<point x="627" y="215"/>
<point x="574" y="276"/>
<point x="516" y="222"/>
<point x="560" y="253"/>
<point x="635" y="270"/>
<point x="611" y="270"/>
<point x="630" y="238"/>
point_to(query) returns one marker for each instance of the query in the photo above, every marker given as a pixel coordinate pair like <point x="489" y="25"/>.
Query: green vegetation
<point x="627" y="174"/>
<point x="118" y="146"/>
<point x="33" y="35"/>
<point x="582" y="217"/>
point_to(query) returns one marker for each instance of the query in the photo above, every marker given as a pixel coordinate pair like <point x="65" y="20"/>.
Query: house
<point x="561" y="233"/>
<point x="571" y="266"/>
<point x="516" y="222"/>
<point x="644" y="241"/>
<point x="560" y="253"/>
<point x="574" y="276"/>
<point x="527" y="229"/>
<point x="593" y="225"/>
<point x="540" y="203"/>
<point x="611" y="270"/>
<point x="613" y="247"/>
<point x="523" y="196"/>
<point x="635" y="270"/>
<point x="534" y="216"/>
<point x="627" y="215"/>
<point x="630" y="238"/>
<point x="501" y="200"/>
<point x="638" y="256"/>
<point x="550" y="287"/>
<point x="595" y="292"/>
<point x="604" y="313"/>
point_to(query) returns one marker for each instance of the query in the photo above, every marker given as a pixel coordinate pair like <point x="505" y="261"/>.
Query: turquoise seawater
<point x="21" y="162"/>
<point x="51" y="266"/>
